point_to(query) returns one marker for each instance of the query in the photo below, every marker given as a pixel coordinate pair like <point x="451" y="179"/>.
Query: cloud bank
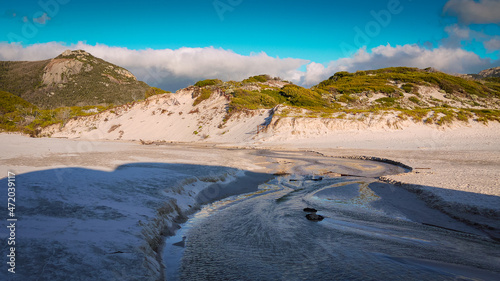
<point x="450" y="60"/>
<point x="493" y="44"/>
<point x="174" y="69"/>
<point x="470" y="11"/>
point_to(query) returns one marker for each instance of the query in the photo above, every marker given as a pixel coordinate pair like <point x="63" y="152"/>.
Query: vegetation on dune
<point x="485" y="115"/>
<point x="268" y="98"/>
<point x="350" y="93"/>
<point x="208" y="82"/>
<point x="302" y="97"/>
<point x="13" y="110"/>
<point x="154" y="91"/>
<point x="408" y="87"/>
<point x="380" y="81"/>
<point x="16" y="114"/>
<point x="250" y="100"/>
<point x="258" y="78"/>
<point x="351" y="83"/>
<point x="10" y="103"/>
<point x="202" y="95"/>
<point x="386" y="102"/>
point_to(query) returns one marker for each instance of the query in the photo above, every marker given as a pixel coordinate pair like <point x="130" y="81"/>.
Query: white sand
<point x="465" y="157"/>
<point x="461" y="171"/>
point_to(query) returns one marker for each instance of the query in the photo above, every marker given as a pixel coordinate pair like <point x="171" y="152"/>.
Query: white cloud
<point x="174" y="69"/>
<point x="458" y="31"/>
<point x="463" y="35"/>
<point x="450" y="60"/>
<point x="169" y="67"/>
<point x="11" y="51"/>
<point x="470" y="11"/>
<point x="493" y="44"/>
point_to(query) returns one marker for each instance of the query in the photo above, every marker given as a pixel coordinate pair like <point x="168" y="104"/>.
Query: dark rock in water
<point x="310" y="210"/>
<point x="314" y="217"/>
<point x="313" y="178"/>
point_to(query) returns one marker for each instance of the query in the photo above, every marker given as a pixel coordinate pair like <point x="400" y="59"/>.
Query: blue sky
<point x="320" y="36"/>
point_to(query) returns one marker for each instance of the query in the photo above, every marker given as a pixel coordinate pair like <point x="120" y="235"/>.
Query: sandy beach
<point x="458" y="178"/>
<point x="460" y="159"/>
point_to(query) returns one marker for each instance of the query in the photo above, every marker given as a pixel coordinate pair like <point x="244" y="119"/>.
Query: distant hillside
<point x="488" y="73"/>
<point x="72" y="78"/>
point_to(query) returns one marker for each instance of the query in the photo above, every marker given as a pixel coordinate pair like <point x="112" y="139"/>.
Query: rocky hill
<point x="74" y="78"/>
<point x="492" y="72"/>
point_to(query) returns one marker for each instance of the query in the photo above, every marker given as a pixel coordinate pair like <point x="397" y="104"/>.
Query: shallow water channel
<point x="371" y="231"/>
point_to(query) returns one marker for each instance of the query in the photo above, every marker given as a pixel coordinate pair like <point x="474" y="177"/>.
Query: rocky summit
<point x="70" y="79"/>
<point x="491" y="72"/>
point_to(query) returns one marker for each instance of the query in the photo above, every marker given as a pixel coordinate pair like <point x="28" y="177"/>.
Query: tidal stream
<point x="371" y="231"/>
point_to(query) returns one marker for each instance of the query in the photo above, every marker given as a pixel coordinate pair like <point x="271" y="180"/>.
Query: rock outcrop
<point x="491" y="72"/>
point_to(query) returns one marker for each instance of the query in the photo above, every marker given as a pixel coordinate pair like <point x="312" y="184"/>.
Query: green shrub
<point x="448" y="117"/>
<point x="345" y="98"/>
<point x="258" y="78"/>
<point x="11" y="103"/>
<point x="154" y="91"/>
<point x="204" y="95"/>
<point x="208" y="82"/>
<point x="464" y="116"/>
<point x="386" y="102"/>
<point x="485" y="115"/>
<point x="302" y="97"/>
<point x="14" y="111"/>
<point x="415" y="100"/>
<point x="341" y="74"/>
<point x="407" y="87"/>
<point x="244" y="99"/>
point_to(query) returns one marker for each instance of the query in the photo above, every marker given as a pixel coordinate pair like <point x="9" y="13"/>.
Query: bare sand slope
<point x="181" y="117"/>
<point x="168" y="117"/>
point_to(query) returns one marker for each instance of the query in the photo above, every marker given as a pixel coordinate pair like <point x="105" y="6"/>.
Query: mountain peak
<point x="71" y="53"/>
<point x="75" y="77"/>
